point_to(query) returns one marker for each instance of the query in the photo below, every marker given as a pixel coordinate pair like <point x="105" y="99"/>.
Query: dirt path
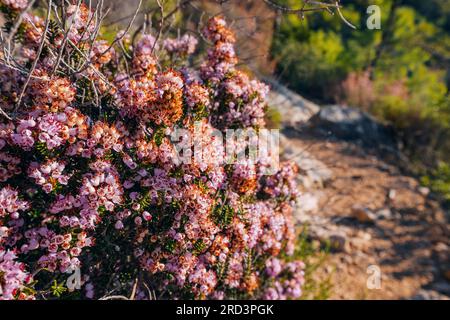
<point x="406" y="234"/>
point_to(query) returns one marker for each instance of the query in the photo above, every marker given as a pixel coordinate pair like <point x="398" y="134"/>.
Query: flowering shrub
<point x="91" y="182"/>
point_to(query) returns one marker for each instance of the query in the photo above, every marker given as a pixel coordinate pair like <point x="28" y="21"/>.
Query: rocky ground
<point x="357" y="202"/>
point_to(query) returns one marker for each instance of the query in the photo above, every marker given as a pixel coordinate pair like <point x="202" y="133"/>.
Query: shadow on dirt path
<point x="388" y="221"/>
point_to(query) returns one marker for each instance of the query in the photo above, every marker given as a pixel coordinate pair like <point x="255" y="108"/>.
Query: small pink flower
<point x="138" y="221"/>
<point x="119" y="225"/>
<point x="53" y="247"/>
<point x="147" y="216"/>
<point x="75" y="251"/>
<point x="47" y="187"/>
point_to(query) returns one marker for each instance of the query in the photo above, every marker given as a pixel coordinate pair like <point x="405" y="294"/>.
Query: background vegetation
<point x="399" y="73"/>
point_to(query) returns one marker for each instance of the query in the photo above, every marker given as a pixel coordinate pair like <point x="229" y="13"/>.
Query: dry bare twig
<point x="38" y="54"/>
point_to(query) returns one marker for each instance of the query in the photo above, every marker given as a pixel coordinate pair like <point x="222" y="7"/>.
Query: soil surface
<point x="405" y="236"/>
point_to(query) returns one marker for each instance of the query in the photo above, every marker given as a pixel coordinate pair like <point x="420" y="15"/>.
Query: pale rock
<point x="392" y="194"/>
<point x="312" y="172"/>
<point x="429" y="295"/>
<point x="441" y="247"/>
<point x="308" y="202"/>
<point x="365" y="236"/>
<point x="424" y="191"/>
<point x="362" y="214"/>
<point x="339" y="242"/>
<point x="352" y="124"/>
<point x="442" y="287"/>
<point x="294" y="109"/>
<point x="385" y="213"/>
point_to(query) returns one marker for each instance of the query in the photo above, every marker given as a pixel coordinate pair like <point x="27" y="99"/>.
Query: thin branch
<point x="180" y="4"/>
<point x="17" y="24"/>
<point x="126" y="29"/>
<point x="63" y="44"/>
<point x="133" y="293"/>
<point x="161" y="23"/>
<point x="319" y="6"/>
<point x="342" y="16"/>
<point x="38" y="54"/>
<point x="114" y="298"/>
<point x="3" y="113"/>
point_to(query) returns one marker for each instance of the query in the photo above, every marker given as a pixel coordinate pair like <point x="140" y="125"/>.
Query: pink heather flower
<point x="196" y="96"/>
<point x="48" y="173"/>
<point x="84" y="184"/>
<point x="9" y="166"/>
<point x="82" y="25"/>
<point x="147" y="216"/>
<point x="15" y="4"/>
<point x="271" y="294"/>
<point x="12" y="275"/>
<point x="10" y="203"/>
<point x="138" y="221"/>
<point x="89" y="287"/>
<point x="23" y="136"/>
<point x="101" y="52"/>
<point x="118" y="225"/>
<point x="75" y="251"/>
<point x="273" y="267"/>
<point x="146" y="45"/>
<point x="50" y="130"/>
<point x="183" y="46"/>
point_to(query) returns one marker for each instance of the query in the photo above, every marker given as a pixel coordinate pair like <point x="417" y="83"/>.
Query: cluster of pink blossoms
<point x="15" y="4"/>
<point x="182" y="46"/>
<point x="82" y="23"/>
<point x="241" y="101"/>
<point x="90" y="178"/>
<point x="13" y="277"/>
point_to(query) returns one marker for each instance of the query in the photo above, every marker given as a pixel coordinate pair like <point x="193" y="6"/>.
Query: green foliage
<point x="57" y="289"/>
<point x="439" y="180"/>
<point x="199" y="247"/>
<point x="314" y="258"/>
<point x="42" y="150"/>
<point x="273" y="118"/>
<point x="201" y="112"/>
<point x="312" y="65"/>
<point x="170" y="245"/>
<point x="406" y="63"/>
<point x="315" y="55"/>
<point x="223" y="214"/>
<point x="159" y="135"/>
